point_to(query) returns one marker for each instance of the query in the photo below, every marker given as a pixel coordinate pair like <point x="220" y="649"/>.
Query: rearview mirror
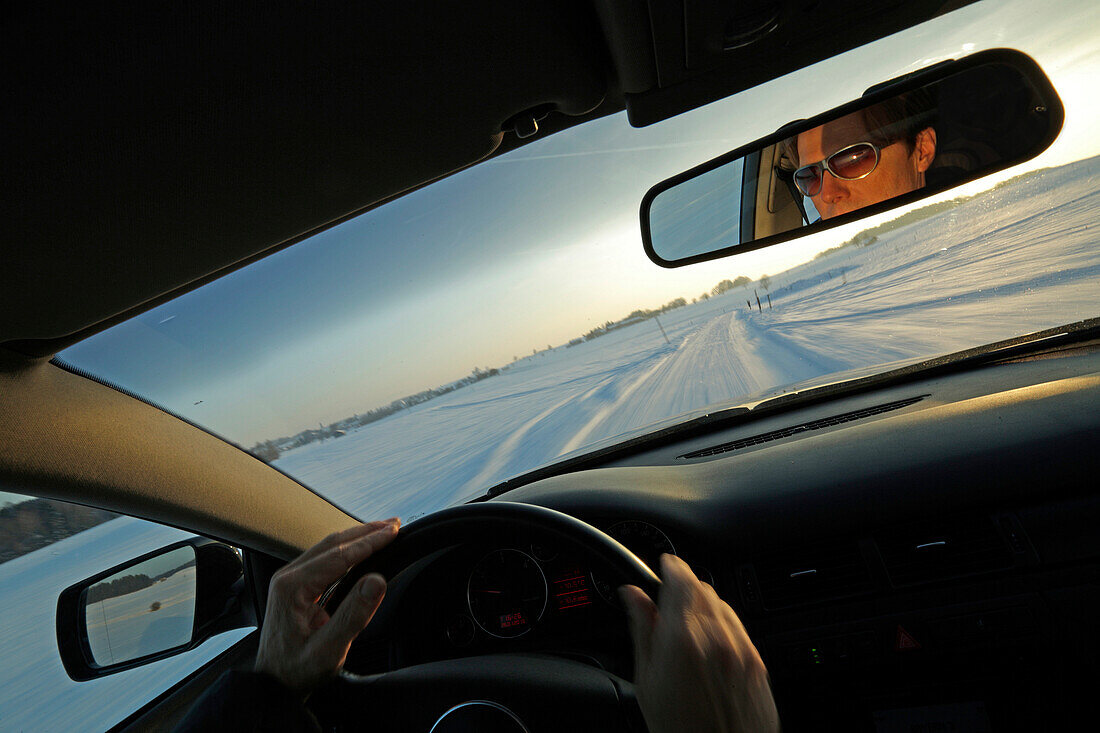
<point x="902" y="141"/>
<point x="150" y="608"/>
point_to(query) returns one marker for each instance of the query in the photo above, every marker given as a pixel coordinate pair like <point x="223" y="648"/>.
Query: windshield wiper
<point x="1048" y="340"/>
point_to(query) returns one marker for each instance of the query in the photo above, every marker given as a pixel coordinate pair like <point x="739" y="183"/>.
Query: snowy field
<point x="1013" y="260"/>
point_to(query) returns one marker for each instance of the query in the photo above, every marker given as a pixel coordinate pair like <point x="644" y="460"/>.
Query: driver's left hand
<point x="300" y="645"/>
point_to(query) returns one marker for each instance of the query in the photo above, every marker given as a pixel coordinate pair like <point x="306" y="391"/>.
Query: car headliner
<point x="152" y="148"/>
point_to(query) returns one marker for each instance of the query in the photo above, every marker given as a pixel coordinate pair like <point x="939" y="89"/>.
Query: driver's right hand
<point x="695" y="667"/>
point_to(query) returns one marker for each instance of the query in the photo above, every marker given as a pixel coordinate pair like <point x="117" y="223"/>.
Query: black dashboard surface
<point x="921" y="556"/>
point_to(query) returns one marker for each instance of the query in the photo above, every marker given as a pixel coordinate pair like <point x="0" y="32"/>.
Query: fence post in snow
<point x="769" y="297"/>
<point x="757" y="302"/>
<point x="662" y="330"/>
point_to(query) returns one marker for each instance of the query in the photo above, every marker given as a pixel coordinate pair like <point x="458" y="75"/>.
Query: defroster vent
<point x="825" y="422"/>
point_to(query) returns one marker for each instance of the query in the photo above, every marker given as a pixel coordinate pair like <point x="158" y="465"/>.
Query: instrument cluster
<point x="511" y="591"/>
<point x="482" y="597"/>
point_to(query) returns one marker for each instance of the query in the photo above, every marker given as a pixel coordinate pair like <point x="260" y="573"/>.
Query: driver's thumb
<point x="354" y="613"/>
<point x="642" y="613"/>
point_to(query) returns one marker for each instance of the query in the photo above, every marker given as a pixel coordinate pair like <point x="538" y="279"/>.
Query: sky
<point x="524" y="251"/>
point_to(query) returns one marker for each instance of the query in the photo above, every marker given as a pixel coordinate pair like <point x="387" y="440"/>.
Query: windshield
<point x="504" y="317"/>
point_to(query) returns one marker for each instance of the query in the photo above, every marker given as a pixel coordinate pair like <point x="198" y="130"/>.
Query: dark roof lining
<point x="154" y="148"/>
<point x="48" y="347"/>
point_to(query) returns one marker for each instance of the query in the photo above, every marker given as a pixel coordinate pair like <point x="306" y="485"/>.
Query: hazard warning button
<point x="904" y="641"/>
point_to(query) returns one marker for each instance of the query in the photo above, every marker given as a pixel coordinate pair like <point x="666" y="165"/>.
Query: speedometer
<point x="644" y="540"/>
<point x="507" y="593"/>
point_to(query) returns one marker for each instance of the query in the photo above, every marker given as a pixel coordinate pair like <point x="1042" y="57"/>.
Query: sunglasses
<point x="849" y="164"/>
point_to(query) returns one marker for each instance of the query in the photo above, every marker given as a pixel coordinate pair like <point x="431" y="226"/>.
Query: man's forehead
<point x="826" y="139"/>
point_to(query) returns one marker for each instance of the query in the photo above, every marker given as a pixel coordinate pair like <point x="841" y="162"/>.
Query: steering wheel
<point x="498" y="692"/>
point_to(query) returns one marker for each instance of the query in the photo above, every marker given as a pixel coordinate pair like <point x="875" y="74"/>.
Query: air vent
<point x="826" y="422"/>
<point x="811" y="574"/>
<point x="942" y="550"/>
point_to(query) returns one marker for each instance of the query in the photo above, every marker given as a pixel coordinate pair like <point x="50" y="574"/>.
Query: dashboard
<point x="922" y="557"/>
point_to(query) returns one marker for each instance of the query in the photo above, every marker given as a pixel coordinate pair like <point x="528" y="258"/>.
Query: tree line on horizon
<point x="129" y="584"/>
<point x="33" y="524"/>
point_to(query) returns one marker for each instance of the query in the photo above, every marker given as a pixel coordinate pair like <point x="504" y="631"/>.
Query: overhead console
<point x="674" y="56"/>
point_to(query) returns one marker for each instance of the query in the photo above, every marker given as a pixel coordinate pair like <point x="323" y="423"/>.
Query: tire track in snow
<point x="503" y="452"/>
<point x="723" y="358"/>
<point x="602" y="414"/>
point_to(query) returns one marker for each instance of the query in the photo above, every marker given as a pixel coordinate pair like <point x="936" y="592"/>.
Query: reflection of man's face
<point x="899" y="170"/>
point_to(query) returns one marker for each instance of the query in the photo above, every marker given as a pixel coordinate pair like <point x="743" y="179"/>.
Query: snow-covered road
<point x="718" y="359"/>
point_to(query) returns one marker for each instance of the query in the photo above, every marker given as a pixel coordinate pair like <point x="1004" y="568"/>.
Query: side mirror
<point x="159" y="605"/>
<point x="902" y="141"/>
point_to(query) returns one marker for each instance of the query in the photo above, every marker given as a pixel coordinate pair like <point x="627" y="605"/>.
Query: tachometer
<point x="507" y="593"/>
<point x="645" y="541"/>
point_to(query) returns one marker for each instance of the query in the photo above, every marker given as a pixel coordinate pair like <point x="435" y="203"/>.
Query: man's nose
<point x="832" y="188"/>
